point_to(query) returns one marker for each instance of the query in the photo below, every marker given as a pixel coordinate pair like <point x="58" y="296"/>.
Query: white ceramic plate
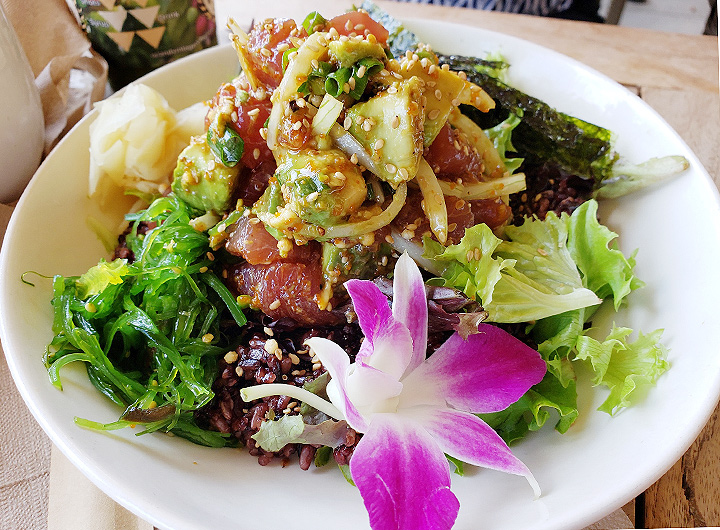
<point x="585" y="474"/>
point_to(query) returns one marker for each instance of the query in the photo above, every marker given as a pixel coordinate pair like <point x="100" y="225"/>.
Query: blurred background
<point x="678" y="16"/>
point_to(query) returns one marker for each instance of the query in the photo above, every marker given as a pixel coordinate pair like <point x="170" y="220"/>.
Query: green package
<point x="137" y="36"/>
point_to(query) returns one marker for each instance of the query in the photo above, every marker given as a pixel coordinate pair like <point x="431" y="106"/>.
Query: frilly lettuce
<point x="621" y="365"/>
<point x="530" y="277"/>
<point x="553" y="274"/>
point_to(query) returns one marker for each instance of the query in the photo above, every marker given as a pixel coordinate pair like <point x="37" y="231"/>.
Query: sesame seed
<point x="462" y="75"/>
<point x="269" y="332"/>
<point x="392" y="90"/>
<point x="432" y="69"/>
<point x="202" y="269"/>
<point x="359" y="27"/>
<point x="322" y="41"/>
<point x="90" y="307"/>
<point x="333" y="33"/>
<point x="459" y="204"/>
<point x="297" y="125"/>
<point x="469" y="255"/>
<point x="438" y="94"/>
<point x="316" y="366"/>
<point x="265" y="52"/>
<point x="256" y="153"/>
<point x="210" y="256"/>
<point x="278" y="354"/>
<point x="433" y="114"/>
<point x="231" y="357"/>
<point x="367" y="125"/>
<point x="312" y="197"/>
<point x="395" y="123"/>
<point x="255" y="111"/>
<point x="361" y="71"/>
<point x="389" y="239"/>
<point x="294" y="359"/>
<point x="452" y="227"/>
<point x="301" y="102"/>
<point x="271" y="345"/>
<point x="283" y="46"/>
<point x="542" y="252"/>
<point x="404" y="173"/>
<point x="207" y="338"/>
<point x="477" y="253"/>
<point x="263" y="133"/>
<point x="351" y="83"/>
<point x="379" y="143"/>
<point x="408" y="234"/>
<point x="274" y="305"/>
<point x="354" y="158"/>
<point x="348" y="25"/>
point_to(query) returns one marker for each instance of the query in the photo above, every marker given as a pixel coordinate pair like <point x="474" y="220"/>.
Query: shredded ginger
<point x="136" y="139"/>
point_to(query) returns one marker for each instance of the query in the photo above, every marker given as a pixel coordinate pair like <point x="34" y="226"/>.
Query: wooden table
<point x="675" y="74"/>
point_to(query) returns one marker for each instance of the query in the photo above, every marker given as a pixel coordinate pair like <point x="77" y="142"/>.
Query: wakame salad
<point x="359" y="251"/>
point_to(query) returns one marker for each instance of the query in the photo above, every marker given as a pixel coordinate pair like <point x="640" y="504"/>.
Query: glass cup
<point x="22" y="129"/>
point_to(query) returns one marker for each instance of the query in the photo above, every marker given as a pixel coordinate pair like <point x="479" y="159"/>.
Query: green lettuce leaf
<point x="501" y="136"/>
<point x="605" y="269"/>
<point x="534" y="409"/>
<point x="621" y="365"/>
<point x="276" y="434"/>
<point x="530" y="277"/>
<point x="97" y="278"/>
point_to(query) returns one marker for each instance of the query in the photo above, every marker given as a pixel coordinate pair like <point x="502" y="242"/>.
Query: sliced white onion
<point x="314" y="47"/>
<point x="374" y="223"/>
<point x="434" y="200"/>
<point x="415" y="251"/>
<point x="239" y="41"/>
<point x="348" y="144"/>
<point x="485" y="190"/>
<point x="326" y="115"/>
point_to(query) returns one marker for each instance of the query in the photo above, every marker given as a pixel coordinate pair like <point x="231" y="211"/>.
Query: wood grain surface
<point x="675" y="74"/>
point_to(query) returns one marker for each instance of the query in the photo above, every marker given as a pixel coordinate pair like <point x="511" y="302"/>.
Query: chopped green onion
<point x="335" y="82"/>
<point x="312" y="21"/>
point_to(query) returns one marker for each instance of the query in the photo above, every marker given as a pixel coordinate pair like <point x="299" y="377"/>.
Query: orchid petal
<point x="486" y="372"/>
<point x="403" y="476"/>
<point x="410" y="306"/>
<point x="337" y="363"/>
<point x="468" y="438"/>
<point x="368" y="386"/>
<point x="390" y="340"/>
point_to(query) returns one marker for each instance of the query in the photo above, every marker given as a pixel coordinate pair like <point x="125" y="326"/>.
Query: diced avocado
<point x="443" y="83"/>
<point x="321" y="186"/>
<point x="358" y="261"/>
<point x="201" y="180"/>
<point x="350" y="51"/>
<point x="390" y="127"/>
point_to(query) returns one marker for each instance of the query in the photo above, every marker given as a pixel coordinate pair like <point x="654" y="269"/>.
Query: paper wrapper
<point x="69" y="75"/>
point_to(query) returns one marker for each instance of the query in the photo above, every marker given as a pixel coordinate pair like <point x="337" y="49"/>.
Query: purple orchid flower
<point x="412" y="410"/>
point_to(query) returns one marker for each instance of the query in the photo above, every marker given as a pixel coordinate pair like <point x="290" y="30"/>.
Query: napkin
<point x="75" y="502"/>
<point x="70" y="76"/>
